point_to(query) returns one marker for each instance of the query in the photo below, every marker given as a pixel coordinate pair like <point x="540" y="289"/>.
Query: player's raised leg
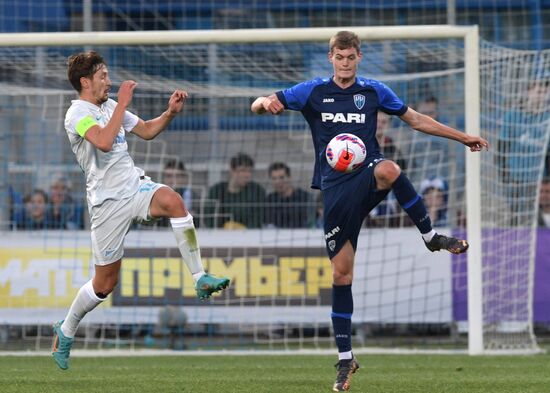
<point x="388" y="175"/>
<point x="342" y="310"/>
<point x="168" y="203"/>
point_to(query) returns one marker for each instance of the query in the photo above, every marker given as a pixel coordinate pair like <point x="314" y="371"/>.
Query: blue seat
<point x="33" y="16"/>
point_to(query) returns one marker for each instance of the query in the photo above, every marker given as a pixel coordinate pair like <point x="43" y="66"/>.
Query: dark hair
<point x="430" y="99"/>
<point x="37" y="191"/>
<point x="539" y="82"/>
<point x="278" y="165"/>
<point x="174" y="164"/>
<point x="241" y="159"/>
<point x="345" y="40"/>
<point x="83" y="65"/>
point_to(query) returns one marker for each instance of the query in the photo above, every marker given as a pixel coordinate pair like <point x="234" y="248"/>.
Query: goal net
<point x="280" y="297"/>
<point x="516" y="119"/>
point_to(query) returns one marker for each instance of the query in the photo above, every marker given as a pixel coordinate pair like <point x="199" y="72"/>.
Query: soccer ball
<point x="346" y="152"/>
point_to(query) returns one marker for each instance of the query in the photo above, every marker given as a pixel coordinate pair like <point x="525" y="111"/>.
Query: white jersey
<point x="110" y="175"/>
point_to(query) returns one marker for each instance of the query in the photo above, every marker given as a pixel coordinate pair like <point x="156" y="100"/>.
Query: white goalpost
<point x="281" y="274"/>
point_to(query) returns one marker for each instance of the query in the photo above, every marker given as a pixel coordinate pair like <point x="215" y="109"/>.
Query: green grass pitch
<point x="300" y="373"/>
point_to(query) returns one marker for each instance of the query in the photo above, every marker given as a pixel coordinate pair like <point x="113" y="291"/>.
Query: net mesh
<point x="280" y="296"/>
<point x="516" y="118"/>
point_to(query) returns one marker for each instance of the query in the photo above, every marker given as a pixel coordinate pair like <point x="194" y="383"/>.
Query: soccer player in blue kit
<point x="348" y="103"/>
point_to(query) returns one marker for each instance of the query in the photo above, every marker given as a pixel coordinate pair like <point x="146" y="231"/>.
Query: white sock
<point x="84" y="302"/>
<point x="345" y="355"/>
<point x="186" y="237"/>
<point x="197" y="276"/>
<point x="428" y="236"/>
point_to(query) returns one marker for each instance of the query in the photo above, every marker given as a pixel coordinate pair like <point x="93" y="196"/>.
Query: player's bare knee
<point x="105" y="282"/>
<point x="176" y="207"/>
<point x="168" y="203"/>
<point x="342" y="277"/>
<point x="390" y="170"/>
<point x="106" y="286"/>
<point x="342" y="273"/>
<point x="386" y="173"/>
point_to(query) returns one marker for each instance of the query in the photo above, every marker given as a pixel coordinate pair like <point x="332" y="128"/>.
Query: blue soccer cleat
<point x="208" y="284"/>
<point x="61" y="347"/>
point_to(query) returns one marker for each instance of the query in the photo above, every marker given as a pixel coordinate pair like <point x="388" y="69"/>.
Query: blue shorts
<point x="346" y="205"/>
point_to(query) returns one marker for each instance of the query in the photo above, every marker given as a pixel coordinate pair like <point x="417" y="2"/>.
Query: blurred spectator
<point x="522" y="147"/>
<point x="16" y="208"/>
<point x="238" y="202"/>
<point x="524" y="128"/>
<point x="36" y="215"/>
<point x="428" y="152"/>
<point x="387" y="146"/>
<point x="65" y="212"/>
<point x="434" y="192"/>
<point x="544" y="203"/>
<point x="386" y="213"/>
<point x="429" y="107"/>
<point x="287" y="206"/>
<point x="319" y="211"/>
<point x="174" y="175"/>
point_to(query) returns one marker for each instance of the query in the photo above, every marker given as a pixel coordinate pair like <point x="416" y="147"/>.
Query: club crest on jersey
<point x="359" y="100"/>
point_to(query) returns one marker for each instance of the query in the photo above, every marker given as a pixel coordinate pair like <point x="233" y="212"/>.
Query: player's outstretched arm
<point x="427" y="125"/>
<point x="269" y="104"/>
<point x="151" y="128"/>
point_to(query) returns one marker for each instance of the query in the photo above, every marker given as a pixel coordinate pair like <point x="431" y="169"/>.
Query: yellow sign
<point x="250" y="276"/>
<point x="37" y="277"/>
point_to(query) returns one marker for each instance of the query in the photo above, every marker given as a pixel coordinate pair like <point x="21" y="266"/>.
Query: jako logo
<point x="343" y="118"/>
<point x="328" y="99"/>
<point x="332" y="233"/>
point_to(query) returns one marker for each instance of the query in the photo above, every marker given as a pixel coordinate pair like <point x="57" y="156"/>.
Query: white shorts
<point x="112" y="220"/>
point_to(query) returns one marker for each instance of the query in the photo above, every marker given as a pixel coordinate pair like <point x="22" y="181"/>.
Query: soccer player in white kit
<point x="118" y="193"/>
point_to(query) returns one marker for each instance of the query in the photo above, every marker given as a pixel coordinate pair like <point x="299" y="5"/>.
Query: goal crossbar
<point x="169" y="37"/>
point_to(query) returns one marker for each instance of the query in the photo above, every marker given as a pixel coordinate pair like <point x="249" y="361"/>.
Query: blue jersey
<point x="331" y="110"/>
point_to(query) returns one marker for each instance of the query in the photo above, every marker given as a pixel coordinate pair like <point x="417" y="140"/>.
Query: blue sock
<point x="412" y="203"/>
<point x="342" y="309"/>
